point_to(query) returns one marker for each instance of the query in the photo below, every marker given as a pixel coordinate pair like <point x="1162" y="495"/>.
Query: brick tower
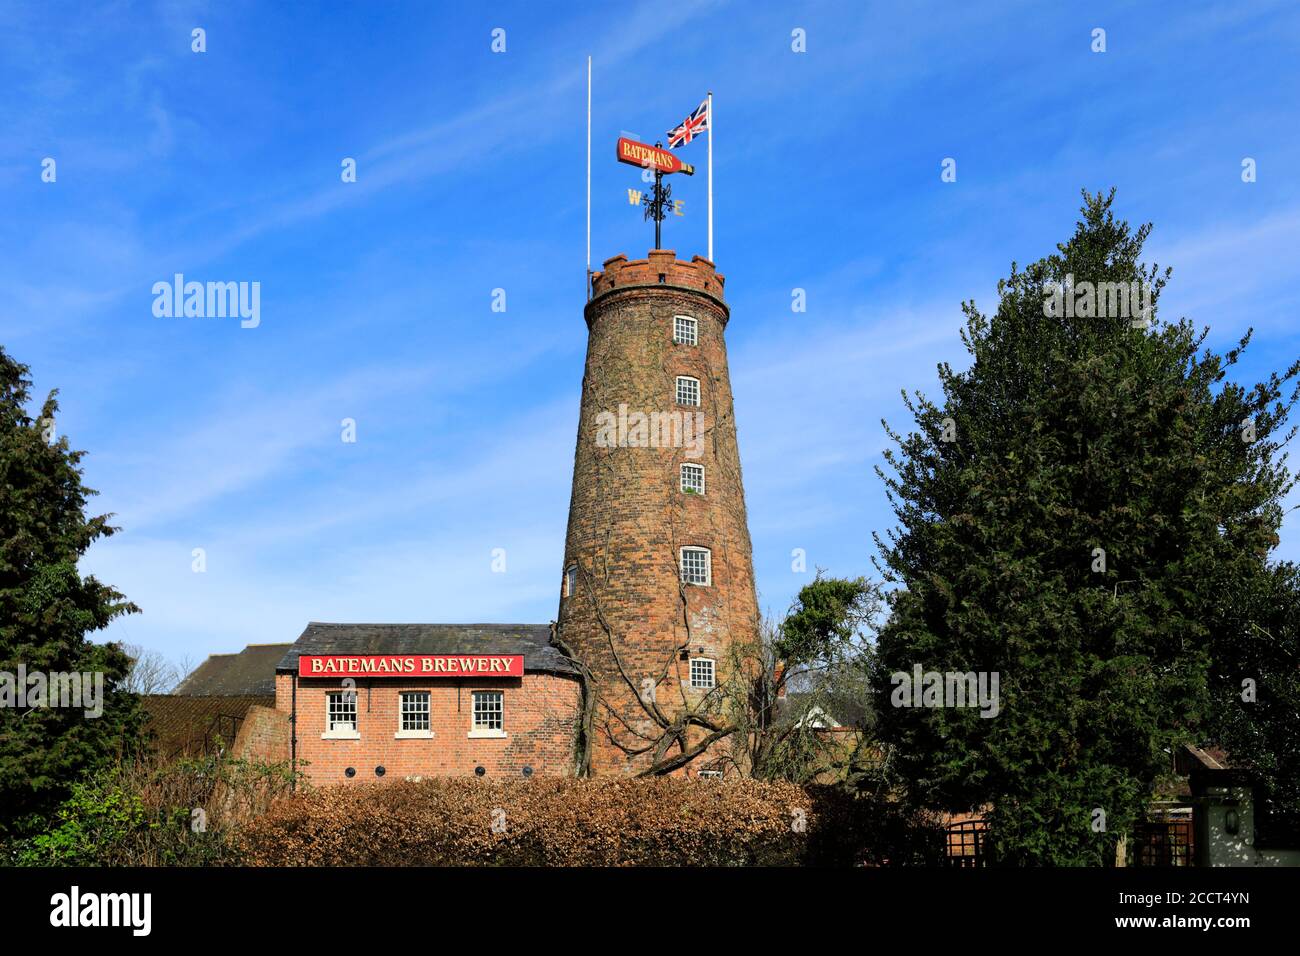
<point x="658" y="585"/>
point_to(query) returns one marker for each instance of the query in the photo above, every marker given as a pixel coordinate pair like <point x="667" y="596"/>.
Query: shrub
<point x="142" y="812"/>
<point x="565" y="822"/>
<point x="97" y="816"/>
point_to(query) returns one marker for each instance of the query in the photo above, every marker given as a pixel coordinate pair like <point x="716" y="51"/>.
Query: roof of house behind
<point x="846" y="710"/>
<point x="533" y="641"/>
<point x="250" y="672"/>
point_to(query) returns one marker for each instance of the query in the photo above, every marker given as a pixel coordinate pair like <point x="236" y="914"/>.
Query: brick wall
<point x="540" y="716"/>
<point x="263" y="735"/>
<point x="629" y="620"/>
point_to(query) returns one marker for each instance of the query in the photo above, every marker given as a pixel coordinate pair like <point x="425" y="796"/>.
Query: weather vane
<point x="663" y="162"/>
<point x="656" y="201"/>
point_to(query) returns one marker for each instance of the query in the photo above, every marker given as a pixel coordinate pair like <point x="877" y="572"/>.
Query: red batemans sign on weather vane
<point x="651" y="157"/>
<point x="411" y="665"/>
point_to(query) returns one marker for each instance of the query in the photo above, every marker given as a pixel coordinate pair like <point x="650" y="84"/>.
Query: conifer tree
<point x="47" y="610"/>
<point x="1255" y="686"/>
<point x="1081" y="514"/>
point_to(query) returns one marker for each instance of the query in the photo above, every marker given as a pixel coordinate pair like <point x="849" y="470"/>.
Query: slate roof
<point x="533" y="641"/>
<point x="251" y="672"/>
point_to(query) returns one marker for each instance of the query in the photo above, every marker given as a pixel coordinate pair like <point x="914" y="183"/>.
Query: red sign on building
<point x="411" y="665"/>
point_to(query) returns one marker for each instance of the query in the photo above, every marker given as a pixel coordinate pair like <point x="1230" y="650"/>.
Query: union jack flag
<point x="691" y="127"/>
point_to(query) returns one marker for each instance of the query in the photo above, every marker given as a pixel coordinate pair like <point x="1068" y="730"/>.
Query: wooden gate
<point x="965" y="844"/>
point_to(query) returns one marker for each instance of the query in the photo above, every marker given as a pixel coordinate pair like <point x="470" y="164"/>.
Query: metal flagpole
<point x="589" y="178"/>
<point x="710" y="175"/>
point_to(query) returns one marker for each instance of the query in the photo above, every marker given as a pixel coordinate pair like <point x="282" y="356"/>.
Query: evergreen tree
<point x="1080" y="516"/>
<point x="47" y="608"/>
<point x="1255" y="681"/>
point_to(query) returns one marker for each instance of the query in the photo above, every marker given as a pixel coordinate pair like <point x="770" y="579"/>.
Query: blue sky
<point x="376" y="295"/>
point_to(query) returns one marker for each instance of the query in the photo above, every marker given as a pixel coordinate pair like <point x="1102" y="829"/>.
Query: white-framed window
<point x="696" y="565"/>
<point x="688" y="390"/>
<point x="571" y="580"/>
<point x="702" y="673"/>
<point x="415" y="711"/>
<point x="685" y="330"/>
<point x="693" y="479"/>
<point x="341" y="713"/>
<point x="488" y="714"/>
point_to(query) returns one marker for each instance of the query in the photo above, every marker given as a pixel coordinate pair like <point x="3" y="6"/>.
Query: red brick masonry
<point x="540" y="717"/>
<point x="263" y="735"/>
<point x="630" y="620"/>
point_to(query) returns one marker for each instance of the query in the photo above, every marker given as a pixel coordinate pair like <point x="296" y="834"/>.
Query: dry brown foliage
<point x="550" y="822"/>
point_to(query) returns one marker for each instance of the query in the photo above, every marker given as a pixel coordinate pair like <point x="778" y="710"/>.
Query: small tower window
<point x="688" y="390"/>
<point x="570" y="580"/>
<point x="684" y="330"/>
<point x="702" y="675"/>
<point x="693" y="479"/>
<point x="695" y="565"/>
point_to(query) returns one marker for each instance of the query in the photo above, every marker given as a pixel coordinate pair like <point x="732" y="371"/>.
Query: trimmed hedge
<point x="561" y="822"/>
